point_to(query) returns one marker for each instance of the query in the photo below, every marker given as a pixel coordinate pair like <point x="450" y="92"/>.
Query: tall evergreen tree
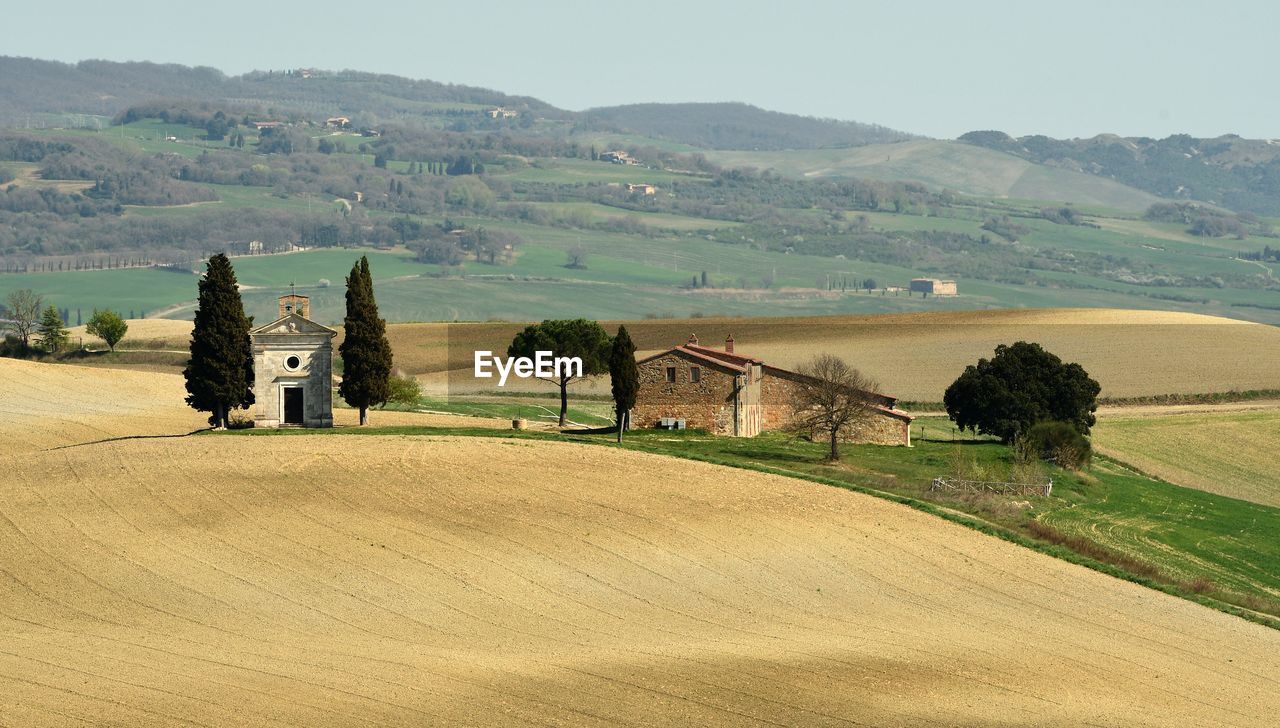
<point x="220" y="372"/>
<point x="365" y="350"/>
<point x="624" y="376"/>
<point x="53" y="332"/>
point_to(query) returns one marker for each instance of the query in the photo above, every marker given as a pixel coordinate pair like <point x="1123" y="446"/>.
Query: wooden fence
<point x="986" y="486"/>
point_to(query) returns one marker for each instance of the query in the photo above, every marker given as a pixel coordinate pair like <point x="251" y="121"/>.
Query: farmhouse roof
<point x="700" y="354"/>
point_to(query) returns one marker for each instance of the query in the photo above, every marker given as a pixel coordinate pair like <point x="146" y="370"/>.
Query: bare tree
<point x="831" y="400"/>
<point x="24" y="313"/>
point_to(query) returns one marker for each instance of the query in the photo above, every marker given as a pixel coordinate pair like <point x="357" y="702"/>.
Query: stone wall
<point x="706" y="404"/>
<point x="881" y="428"/>
<point x="766" y="402"/>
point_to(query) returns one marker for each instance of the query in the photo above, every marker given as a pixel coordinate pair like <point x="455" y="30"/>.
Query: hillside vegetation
<point x="494" y="207"/>
<point x="735" y="126"/>
<point x="316" y="580"/>
<point x="1241" y="174"/>
<point x="945" y="165"/>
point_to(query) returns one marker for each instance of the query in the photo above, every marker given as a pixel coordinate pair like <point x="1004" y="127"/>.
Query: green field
<point x="573" y="171"/>
<point x="591" y="212"/>
<point x="1228" y="453"/>
<point x="627" y="277"/>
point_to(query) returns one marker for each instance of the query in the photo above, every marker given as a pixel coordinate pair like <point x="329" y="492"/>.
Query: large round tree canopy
<point x="1021" y="385"/>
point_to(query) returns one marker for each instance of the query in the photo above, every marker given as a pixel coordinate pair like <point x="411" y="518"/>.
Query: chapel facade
<point x="293" y="368"/>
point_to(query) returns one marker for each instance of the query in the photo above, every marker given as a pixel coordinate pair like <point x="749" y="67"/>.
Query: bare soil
<point x="224" y="580"/>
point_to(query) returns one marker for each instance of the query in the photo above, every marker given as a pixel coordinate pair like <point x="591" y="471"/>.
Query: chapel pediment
<point x="293" y="323"/>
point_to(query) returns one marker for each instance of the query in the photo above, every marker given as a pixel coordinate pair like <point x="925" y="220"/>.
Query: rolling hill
<point x="735" y="126"/>
<point x="946" y="165"/>
<point x="1240" y="174"/>
<point x="400" y="580"/>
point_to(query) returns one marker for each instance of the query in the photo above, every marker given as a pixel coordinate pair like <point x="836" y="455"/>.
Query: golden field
<point x="913" y="356"/>
<point x="1224" y="451"/>
<point x="916" y="356"/>
<point x="345" y="579"/>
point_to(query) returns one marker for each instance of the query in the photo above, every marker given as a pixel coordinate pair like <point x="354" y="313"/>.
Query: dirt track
<point x="355" y="580"/>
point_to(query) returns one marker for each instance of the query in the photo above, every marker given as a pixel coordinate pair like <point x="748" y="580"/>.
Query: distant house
<point x="307" y="72"/>
<point x="338" y="122"/>
<point x="730" y="394"/>
<point x="643" y="188"/>
<point x="500" y="112"/>
<point x="260" y="125"/>
<point x="934" y="286"/>
<point x="618" y="156"/>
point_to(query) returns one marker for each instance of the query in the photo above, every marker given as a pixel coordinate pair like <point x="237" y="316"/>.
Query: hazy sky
<point x="938" y="68"/>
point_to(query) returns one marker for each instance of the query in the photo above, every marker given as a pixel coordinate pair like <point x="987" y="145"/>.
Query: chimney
<point x="728" y="344"/>
<point x="693" y="340"/>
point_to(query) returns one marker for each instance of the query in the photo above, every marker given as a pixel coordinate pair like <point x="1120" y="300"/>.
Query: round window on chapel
<point x="292" y="363"/>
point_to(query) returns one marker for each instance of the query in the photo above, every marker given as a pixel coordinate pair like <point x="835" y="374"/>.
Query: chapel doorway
<point x="293" y="405"/>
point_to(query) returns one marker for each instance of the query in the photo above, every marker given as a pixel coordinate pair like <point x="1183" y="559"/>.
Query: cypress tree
<point x="624" y="376"/>
<point x="220" y="372"/>
<point x="366" y="353"/>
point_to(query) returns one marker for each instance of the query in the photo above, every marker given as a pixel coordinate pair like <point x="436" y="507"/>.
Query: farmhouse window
<point x="695" y="374"/>
<point x="671" y="374"/>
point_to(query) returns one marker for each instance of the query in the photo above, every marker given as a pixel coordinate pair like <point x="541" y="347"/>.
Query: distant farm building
<point x="260" y="125"/>
<point x="618" y="157"/>
<point x="292" y="369"/>
<point x="499" y="112"/>
<point x="642" y="188"/>
<point x="338" y="122"/>
<point x="730" y="394"/>
<point x="934" y="286"/>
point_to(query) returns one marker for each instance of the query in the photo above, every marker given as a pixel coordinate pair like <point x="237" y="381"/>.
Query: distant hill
<point x="945" y="165"/>
<point x="1240" y="174"/>
<point x="29" y="86"/>
<point x="736" y="126"/>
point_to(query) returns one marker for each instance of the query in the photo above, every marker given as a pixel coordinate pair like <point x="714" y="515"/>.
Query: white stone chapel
<point x="292" y="369"/>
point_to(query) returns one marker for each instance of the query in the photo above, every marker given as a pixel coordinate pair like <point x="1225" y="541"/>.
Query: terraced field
<point x="398" y="580"/>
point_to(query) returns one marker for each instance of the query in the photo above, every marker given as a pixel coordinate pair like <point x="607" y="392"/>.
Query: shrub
<point x="403" y="390"/>
<point x="1059" y="442"/>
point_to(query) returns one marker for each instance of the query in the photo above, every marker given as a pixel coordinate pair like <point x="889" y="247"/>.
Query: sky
<point x="1064" y="69"/>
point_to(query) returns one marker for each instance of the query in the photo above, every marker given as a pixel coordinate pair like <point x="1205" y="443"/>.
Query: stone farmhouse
<point x="934" y="286"/>
<point x="293" y="369"/>
<point x="727" y="393"/>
